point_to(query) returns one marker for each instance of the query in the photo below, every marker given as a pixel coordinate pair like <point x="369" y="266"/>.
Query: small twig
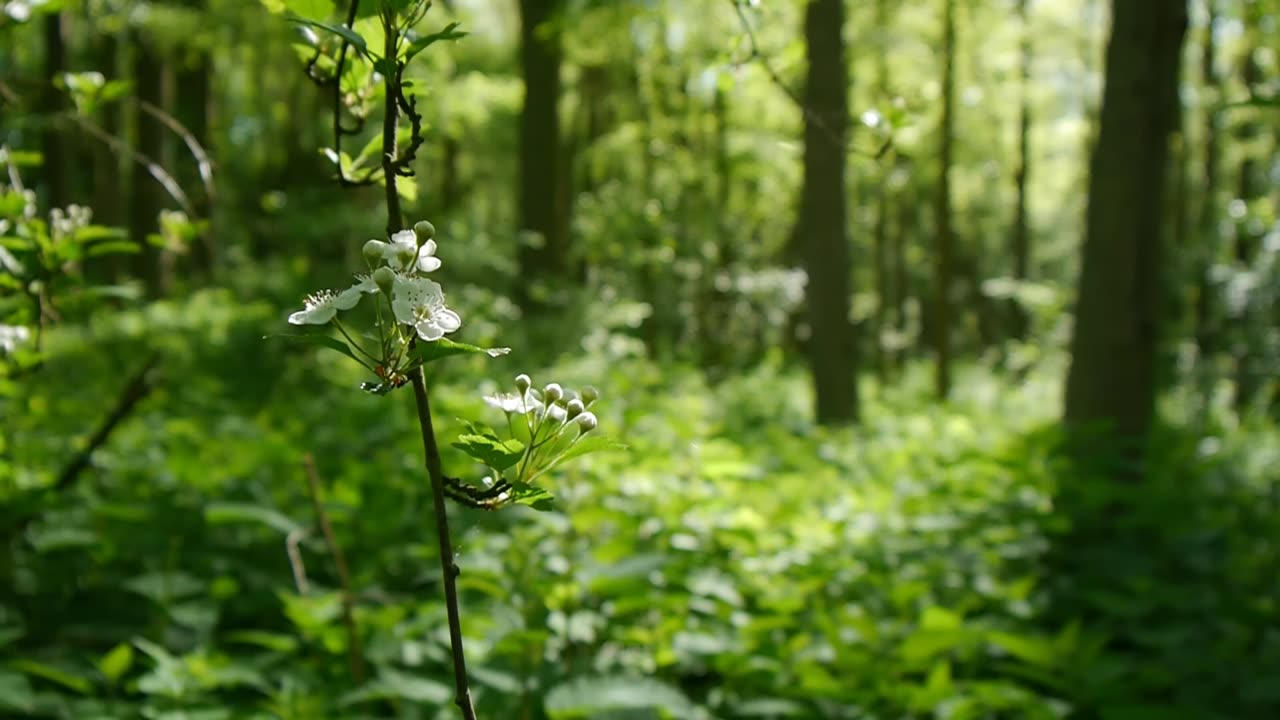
<point x="170" y="185"/>
<point x="203" y="164"/>
<point x="354" y="649"/>
<point x="761" y="59"/>
<point x="138" y="387"/>
<point x="291" y="542"/>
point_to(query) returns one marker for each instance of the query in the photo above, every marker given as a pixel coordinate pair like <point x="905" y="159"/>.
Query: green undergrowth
<point x="734" y="562"/>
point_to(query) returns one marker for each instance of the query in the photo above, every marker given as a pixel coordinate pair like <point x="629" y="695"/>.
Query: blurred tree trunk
<point x="1117" y="327"/>
<point x="53" y="105"/>
<point x="831" y="347"/>
<point x="543" y="249"/>
<point x="1248" y="231"/>
<point x="942" y="261"/>
<point x="1208" y="245"/>
<point x="903" y="229"/>
<point x="1020" y="240"/>
<point x="108" y="200"/>
<point x="193" y="87"/>
<point x="880" y="233"/>
<point x="148" y="196"/>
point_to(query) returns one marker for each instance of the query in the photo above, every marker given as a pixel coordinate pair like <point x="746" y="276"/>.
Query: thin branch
<point x="431" y="451"/>
<point x="165" y="179"/>
<point x="291" y="542"/>
<point x="138" y="387"/>
<point x="762" y="60"/>
<point x="354" y="648"/>
<point x="448" y="568"/>
<point x="203" y="164"/>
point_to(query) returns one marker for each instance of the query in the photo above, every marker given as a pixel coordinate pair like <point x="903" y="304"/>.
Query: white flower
<point x="513" y="403"/>
<point x="320" y="307"/>
<point x="403" y="253"/>
<point x="419" y="302"/>
<point x="13" y="335"/>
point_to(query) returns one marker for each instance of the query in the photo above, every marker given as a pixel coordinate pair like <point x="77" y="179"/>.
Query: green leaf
<point x="341" y="31"/>
<point x="114" y="247"/>
<point x="450" y="32"/>
<point x="444" y="347"/>
<point x="317" y="339"/>
<point x="589" y="697"/>
<point x="592" y="443"/>
<point x="116" y="662"/>
<point x="15" y="692"/>
<point x="278" y="642"/>
<point x="491" y="451"/>
<point x="221" y="513"/>
<point x="303" y="8"/>
<point x="66" y="679"/>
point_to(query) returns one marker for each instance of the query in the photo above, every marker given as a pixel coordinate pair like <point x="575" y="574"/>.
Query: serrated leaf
<point x="116" y="662"/>
<point x="444" y="347"/>
<point x="590" y="444"/>
<point x="316" y="339"/>
<point x="491" y="451"/>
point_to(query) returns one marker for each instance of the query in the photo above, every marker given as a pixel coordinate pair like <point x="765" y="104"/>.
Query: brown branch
<point x="138" y="387"/>
<point x="291" y="542"/>
<point x="354" y="649"/>
<point x="203" y="164"/>
<point x="431" y="451"/>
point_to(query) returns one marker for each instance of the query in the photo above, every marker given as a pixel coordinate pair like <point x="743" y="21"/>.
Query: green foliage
<point x="736" y="562"/>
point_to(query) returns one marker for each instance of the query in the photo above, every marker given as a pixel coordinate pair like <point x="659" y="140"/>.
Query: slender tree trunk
<point x="1117" y="328"/>
<point x="832" y="346"/>
<point x="1207" y="233"/>
<point x="903" y="229"/>
<point x="1020" y="241"/>
<point x="53" y="104"/>
<point x="147" y="195"/>
<point x="543" y="247"/>
<point x="1248" y="376"/>
<point x="942" y="261"/>
<point x="193" y="90"/>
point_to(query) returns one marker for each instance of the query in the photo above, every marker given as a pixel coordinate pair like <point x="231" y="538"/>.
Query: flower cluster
<point x="396" y="270"/>
<point x="547" y="421"/>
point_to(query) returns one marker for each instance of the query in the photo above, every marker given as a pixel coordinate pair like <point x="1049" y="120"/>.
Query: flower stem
<point x="448" y="568"/>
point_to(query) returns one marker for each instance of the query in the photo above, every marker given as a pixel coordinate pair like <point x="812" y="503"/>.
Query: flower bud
<point x="589" y="395"/>
<point x="424" y="230"/>
<point x="575" y="408"/>
<point x="523" y="382"/>
<point x="373" y="252"/>
<point x="586" y="422"/>
<point x="553" y="392"/>
<point x="385" y="279"/>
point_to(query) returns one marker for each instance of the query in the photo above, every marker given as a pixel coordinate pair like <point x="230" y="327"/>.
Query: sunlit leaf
<point x="444" y="347"/>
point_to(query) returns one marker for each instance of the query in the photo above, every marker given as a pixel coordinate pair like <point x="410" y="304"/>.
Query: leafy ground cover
<point x="735" y="562"/>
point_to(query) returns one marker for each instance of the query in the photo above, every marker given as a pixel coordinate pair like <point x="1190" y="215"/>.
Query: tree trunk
<point x="942" y="262"/>
<point x="831" y="347"/>
<point x="542" y="249"/>
<point x="148" y="197"/>
<point x="1207" y="233"/>
<point x="1247" y="238"/>
<point x="1117" y="327"/>
<point x="53" y="104"/>
<point x="193" y="88"/>
<point x="1020" y="240"/>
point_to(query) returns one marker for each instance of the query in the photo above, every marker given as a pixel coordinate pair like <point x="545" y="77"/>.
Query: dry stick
<point x="448" y="568"/>
<point x="299" y="568"/>
<point x="354" y="649"/>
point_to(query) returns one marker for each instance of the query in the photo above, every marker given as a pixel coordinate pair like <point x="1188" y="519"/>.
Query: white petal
<point x="405" y="237"/>
<point x="428" y="264"/>
<point x="348" y="298"/>
<point x="447" y="319"/>
<point x="429" y="331"/>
